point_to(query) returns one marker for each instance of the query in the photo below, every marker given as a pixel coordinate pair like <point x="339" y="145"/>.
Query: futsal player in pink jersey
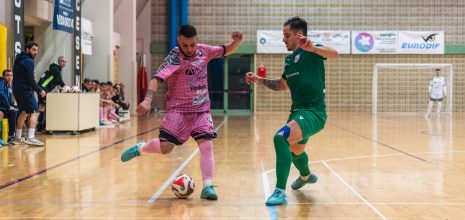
<point x="188" y="103"/>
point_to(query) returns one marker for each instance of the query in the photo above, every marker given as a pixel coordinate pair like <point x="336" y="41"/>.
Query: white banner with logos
<point x="421" y="42"/>
<point x="270" y="42"/>
<point x="86" y="36"/>
<point x="374" y="42"/>
<point x="338" y="40"/>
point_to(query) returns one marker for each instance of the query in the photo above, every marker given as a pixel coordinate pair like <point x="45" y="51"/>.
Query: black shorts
<point x="26" y="102"/>
<point x="436" y="100"/>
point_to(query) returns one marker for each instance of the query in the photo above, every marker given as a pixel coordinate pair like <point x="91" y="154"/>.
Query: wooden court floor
<point x="369" y="167"/>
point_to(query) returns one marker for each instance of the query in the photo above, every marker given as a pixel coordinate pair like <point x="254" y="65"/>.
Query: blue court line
<point x="18" y="180"/>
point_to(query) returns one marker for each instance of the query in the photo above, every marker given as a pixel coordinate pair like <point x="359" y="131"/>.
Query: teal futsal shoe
<point x="299" y="182"/>
<point x="132" y="152"/>
<point x="277" y="198"/>
<point x="209" y="193"/>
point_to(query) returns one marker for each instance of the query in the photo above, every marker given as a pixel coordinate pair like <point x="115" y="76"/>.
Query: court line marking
<point x="251" y="202"/>
<point x="177" y="171"/>
<point x="355" y="192"/>
<point x="373" y="156"/>
<point x="214" y="218"/>
<point x="267" y="191"/>
<point x="18" y="180"/>
<point x="380" y="143"/>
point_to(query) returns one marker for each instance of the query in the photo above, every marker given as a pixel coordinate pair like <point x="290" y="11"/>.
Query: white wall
<point x="2" y="12"/>
<point x="144" y="31"/>
<point x="52" y="44"/>
<point x="125" y="25"/>
<point x="100" y="64"/>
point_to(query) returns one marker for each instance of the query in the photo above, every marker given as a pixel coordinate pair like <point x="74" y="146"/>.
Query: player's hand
<point x="251" y="77"/>
<point x="236" y="36"/>
<point x="305" y="43"/>
<point x="144" y="107"/>
<point x="42" y="93"/>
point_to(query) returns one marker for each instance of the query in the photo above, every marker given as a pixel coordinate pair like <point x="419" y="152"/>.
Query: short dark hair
<point x="297" y="24"/>
<point x="31" y="44"/>
<point x="109" y="83"/>
<point x="6" y="71"/>
<point x="438" y="69"/>
<point x="96" y="81"/>
<point x="86" y="80"/>
<point x="188" y="31"/>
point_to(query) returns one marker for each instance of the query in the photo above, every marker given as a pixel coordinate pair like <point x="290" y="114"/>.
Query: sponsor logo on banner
<point x="63" y="16"/>
<point x="77" y="42"/>
<point x="418" y="42"/>
<point x="18" y="32"/>
<point x="271" y="42"/>
<point x="338" y="40"/>
<point x="374" y="42"/>
<point x="86" y="37"/>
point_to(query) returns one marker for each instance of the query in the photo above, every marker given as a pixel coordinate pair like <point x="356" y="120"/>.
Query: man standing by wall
<point x="48" y="81"/>
<point x="24" y="85"/>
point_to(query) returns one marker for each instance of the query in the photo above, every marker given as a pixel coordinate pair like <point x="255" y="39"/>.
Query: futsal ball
<point x="183" y="186"/>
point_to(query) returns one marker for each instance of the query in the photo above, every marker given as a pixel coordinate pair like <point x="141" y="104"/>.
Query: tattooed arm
<point x="273" y="84"/>
<point x="145" y="106"/>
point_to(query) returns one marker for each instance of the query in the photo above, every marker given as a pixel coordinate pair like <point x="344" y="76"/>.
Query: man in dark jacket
<point x="24" y="85"/>
<point x="48" y="81"/>
<point x="7" y="103"/>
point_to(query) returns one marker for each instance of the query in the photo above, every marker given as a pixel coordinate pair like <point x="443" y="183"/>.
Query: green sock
<point x="301" y="163"/>
<point x="283" y="160"/>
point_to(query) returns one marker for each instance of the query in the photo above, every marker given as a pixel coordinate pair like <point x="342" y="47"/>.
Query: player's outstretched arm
<point x="306" y="44"/>
<point x="273" y="84"/>
<point x="145" y="106"/>
<point x="234" y="44"/>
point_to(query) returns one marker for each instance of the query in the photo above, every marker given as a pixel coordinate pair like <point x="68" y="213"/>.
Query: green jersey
<point x="305" y="75"/>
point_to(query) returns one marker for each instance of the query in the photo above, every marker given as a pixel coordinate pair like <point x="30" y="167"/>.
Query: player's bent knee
<point x="166" y="147"/>
<point x="285" y="131"/>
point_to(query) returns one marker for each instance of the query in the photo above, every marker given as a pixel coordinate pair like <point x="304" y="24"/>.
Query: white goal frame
<point x="449" y="81"/>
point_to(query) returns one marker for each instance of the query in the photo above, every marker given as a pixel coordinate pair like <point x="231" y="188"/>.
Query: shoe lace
<point x="278" y="193"/>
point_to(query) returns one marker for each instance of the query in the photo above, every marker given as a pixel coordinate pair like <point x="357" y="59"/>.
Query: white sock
<point x="305" y="178"/>
<point x="207" y="183"/>
<point x="19" y="132"/>
<point x="31" y="134"/>
<point x="430" y="107"/>
<point x="439" y="108"/>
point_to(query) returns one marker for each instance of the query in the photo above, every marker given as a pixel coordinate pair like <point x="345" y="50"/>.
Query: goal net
<point x="403" y="87"/>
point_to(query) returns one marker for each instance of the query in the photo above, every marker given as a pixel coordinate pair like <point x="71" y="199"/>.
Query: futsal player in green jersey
<point x="304" y="75"/>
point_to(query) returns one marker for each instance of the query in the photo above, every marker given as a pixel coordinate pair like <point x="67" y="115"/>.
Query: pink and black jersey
<point x="187" y="78"/>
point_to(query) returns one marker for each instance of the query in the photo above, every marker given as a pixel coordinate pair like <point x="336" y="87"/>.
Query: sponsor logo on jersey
<point x="297" y="58"/>
<point x="292" y="74"/>
<point x="197" y="62"/>
<point x="201" y="87"/>
<point x="190" y="71"/>
<point x="200" y="100"/>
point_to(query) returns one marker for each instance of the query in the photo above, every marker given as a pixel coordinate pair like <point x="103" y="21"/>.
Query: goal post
<point x="403" y="87"/>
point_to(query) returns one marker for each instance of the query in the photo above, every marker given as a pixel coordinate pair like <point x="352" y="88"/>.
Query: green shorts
<point x="310" y="121"/>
